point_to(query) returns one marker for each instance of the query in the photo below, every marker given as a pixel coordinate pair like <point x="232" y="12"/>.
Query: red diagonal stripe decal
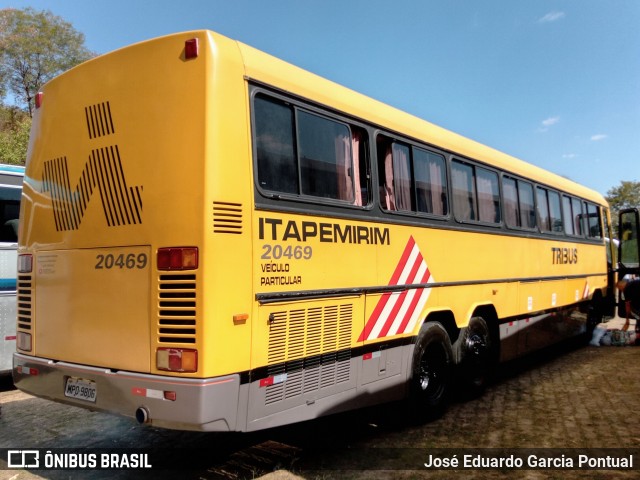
<point x="399" y="308"/>
<point x="385" y="298"/>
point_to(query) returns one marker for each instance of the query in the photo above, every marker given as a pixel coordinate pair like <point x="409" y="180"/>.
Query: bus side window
<point x="577" y="216"/>
<point x="385" y="173"/>
<point x="326" y="168"/>
<point x="464" y="191"/>
<point x="301" y="153"/>
<point x="411" y="179"/>
<point x="555" y="212"/>
<point x="361" y="172"/>
<point x="567" y="215"/>
<point x="511" y="210"/>
<point x="9" y="212"/>
<point x="527" y="205"/>
<point x="594" y="226"/>
<point x="277" y="163"/>
<point x="519" y="208"/>
<point x="544" y="219"/>
<point x="488" y="195"/>
<point x="431" y="182"/>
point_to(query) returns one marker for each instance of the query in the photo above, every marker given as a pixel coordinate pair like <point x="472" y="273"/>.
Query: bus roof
<point x="270" y="70"/>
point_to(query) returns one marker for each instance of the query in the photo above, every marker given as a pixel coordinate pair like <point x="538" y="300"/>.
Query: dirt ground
<point x="567" y="399"/>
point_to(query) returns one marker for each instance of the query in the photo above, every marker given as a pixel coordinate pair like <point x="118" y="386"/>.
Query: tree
<point x="35" y="46"/>
<point x="15" y="125"/>
<point x="626" y="195"/>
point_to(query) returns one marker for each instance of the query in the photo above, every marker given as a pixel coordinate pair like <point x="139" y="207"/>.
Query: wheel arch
<point x="447" y="319"/>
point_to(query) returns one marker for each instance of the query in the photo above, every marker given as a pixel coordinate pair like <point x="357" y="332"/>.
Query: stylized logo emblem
<point x="397" y="312"/>
<point x="23" y="459"/>
<point x="122" y="204"/>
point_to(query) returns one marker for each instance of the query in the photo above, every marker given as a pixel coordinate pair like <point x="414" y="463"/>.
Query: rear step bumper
<point x="169" y="402"/>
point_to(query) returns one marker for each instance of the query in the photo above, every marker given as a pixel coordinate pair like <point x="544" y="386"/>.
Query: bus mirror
<point x="629" y="248"/>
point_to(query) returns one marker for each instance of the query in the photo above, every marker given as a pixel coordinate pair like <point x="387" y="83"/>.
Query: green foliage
<point x="35" y="46"/>
<point x="15" y="125"/>
<point x="625" y="195"/>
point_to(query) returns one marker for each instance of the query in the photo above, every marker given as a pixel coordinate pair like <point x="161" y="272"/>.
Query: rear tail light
<point x="177" y="360"/>
<point x="25" y="263"/>
<point x="178" y="258"/>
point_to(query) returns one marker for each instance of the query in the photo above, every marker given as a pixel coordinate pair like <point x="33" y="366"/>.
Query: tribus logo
<point x="122" y="205"/>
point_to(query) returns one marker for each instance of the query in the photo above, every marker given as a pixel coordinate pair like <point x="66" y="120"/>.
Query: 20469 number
<point x="277" y="252"/>
<point x="128" y="261"/>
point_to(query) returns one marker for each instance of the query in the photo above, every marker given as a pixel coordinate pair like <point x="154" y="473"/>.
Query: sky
<point x="554" y="83"/>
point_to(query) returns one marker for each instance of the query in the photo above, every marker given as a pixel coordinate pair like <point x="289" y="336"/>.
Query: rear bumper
<point x="209" y="404"/>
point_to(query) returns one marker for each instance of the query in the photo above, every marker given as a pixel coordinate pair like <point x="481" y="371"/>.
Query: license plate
<point x="81" y="389"/>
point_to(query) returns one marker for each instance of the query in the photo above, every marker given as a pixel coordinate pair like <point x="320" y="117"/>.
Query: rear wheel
<point x="431" y="373"/>
<point x="476" y="355"/>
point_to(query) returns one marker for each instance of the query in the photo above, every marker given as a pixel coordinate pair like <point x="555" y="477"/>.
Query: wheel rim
<point x="477" y="357"/>
<point x="477" y="345"/>
<point x="433" y="366"/>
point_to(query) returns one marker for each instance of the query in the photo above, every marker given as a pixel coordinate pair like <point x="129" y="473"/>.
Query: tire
<point x="476" y="355"/>
<point x="431" y="372"/>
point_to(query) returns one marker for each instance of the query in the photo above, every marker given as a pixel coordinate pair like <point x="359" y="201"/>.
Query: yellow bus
<point x="213" y="239"/>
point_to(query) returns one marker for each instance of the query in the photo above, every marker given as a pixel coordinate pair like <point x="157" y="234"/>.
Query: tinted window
<point x="325" y="157"/>
<point x="464" y="191"/>
<point x="567" y="215"/>
<point x="9" y="212"/>
<point x="527" y="206"/>
<point x="518" y="203"/>
<point x="302" y="153"/>
<point x="543" y="210"/>
<point x="510" y="197"/>
<point x="476" y="195"/>
<point x="594" y="229"/>
<point x="431" y="182"/>
<point x="277" y="162"/>
<point x="488" y="195"/>
<point x="411" y="179"/>
<point x="576" y="207"/>
<point x="555" y="212"/>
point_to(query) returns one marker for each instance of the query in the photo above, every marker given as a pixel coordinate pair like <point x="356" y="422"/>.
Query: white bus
<point x="10" y="190"/>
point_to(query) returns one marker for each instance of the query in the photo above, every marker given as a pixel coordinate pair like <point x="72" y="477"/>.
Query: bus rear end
<point x="114" y="221"/>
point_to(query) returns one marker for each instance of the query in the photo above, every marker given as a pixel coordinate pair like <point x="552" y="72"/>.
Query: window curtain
<point x="355" y="150"/>
<point x="402" y="175"/>
<point x="510" y="202"/>
<point x="438" y="198"/>
<point x="486" y="204"/>
<point x="387" y="196"/>
<point x="343" y="168"/>
<point x="463" y="193"/>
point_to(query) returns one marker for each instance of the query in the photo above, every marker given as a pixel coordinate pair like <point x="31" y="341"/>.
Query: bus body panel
<point x="98" y="316"/>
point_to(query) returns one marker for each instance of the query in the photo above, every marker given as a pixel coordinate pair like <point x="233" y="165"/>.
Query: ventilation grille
<point x="227" y="218"/>
<point x="25" y="302"/>
<point x="177" y="309"/>
<point x="311" y="348"/>
<point x="99" y="121"/>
